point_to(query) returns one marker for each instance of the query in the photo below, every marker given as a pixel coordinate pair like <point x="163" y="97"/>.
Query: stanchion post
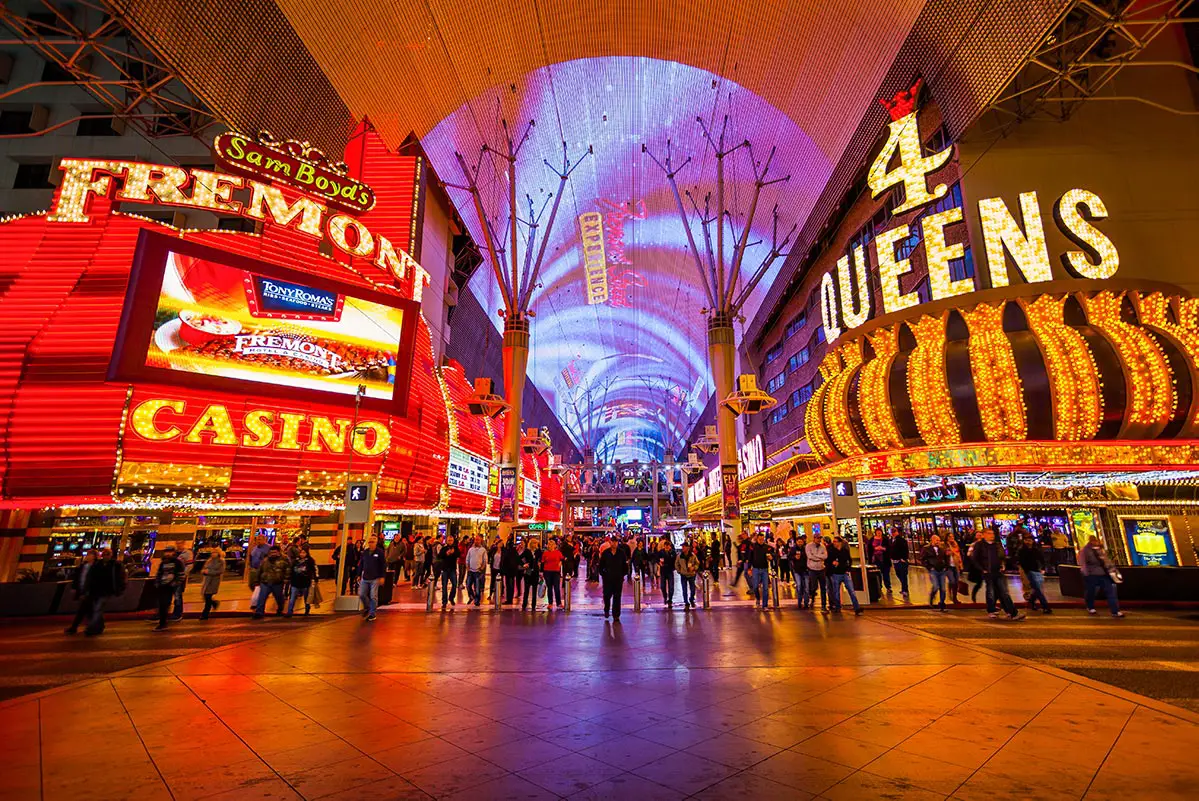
<point x="636" y="593"/>
<point x="430" y="594"/>
<point x="566" y="592"/>
<point x="498" y="592"/>
<point x="706" y="590"/>
<point x="774" y="586"/>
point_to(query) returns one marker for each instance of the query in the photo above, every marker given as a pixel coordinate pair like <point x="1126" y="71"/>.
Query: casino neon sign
<point x="846" y="301"/>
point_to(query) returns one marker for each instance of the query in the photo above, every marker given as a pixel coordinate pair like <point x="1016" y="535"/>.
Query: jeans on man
<point x="553" y="587"/>
<point x="474" y="587"/>
<point x="449" y="585"/>
<point x="817" y="580"/>
<point x="901" y="573"/>
<point x="835" y="582"/>
<point x="802" y="588"/>
<point x="96" y="624"/>
<point x="296" y="594"/>
<point x="177" y="610"/>
<point x="938" y="579"/>
<point x="688" y="589"/>
<point x="84" y="611"/>
<point x="275" y="590"/>
<point x="761" y="585"/>
<point x="530" y="593"/>
<point x="1096" y="583"/>
<point x="165" y="596"/>
<point x="885" y="569"/>
<point x="612" y="592"/>
<point x="1036" y="588"/>
<point x="368" y="594"/>
<point x="668" y="588"/>
<point x="997" y="588"/>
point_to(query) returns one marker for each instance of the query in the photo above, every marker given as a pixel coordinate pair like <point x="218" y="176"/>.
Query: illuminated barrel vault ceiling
<point x="611" y="75"/>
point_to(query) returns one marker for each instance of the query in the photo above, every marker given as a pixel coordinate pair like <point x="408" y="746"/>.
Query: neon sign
<point x="213" y="191"/>
<point x="845" y="298"/>
<point x="297" y="164"/>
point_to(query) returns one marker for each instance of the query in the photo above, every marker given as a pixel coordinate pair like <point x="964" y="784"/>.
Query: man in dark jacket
<point x="272" y="574"/>
<point x="372" y="567"/>
<point x="105" y="580"/>
<point x="899" y="559"/>
<point x="837" y="565"/>
<point x="1031" y="559"/>
<point x="935" y="559"/>
<point x="613" y="567"/>
<point x="509" y="567"/>
<point x="988" y="557"/>
<point x="170" y="573"/>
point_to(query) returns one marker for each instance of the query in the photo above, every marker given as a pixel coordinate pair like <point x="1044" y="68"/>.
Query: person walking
<point x="187" y="557"/>
<point x="272" y="573"/>
<point x="666" y="560"/>
<point x="395" y="557"/>
<point x="510" y="567"/>
<point x="613" y="567"/>
<point x="880" y="556"/>
<point x="303" y="576"/>
<point x="687" y="564"/>
<point x="1031" y="560"/>
<point x="1097" y="570"/>
<point x="900" y="555"/>
<point x="105" y="580"/>
<point x="760" y="558"/>
<point x="743" y="548"/>
<point x="258" y="553"/>
<point x="447" y="565"/>
<point x="975" y="576"/>
<point x="79" y="585"/>
<point x="551" y="567"/>
<point x="990" y="558"/>
<point x="210" y="580"/>
<point x="726" y="543"/>
<point x="817" y="554"/>
<point x="409" y="558"/>
<point x="476" y="570"/>
<point x="953" y="574"/>
<point x="169" y="573"/>
<point x="799" y="567"/>
<point x="372" y="567"/>
<point x="640" y="558"/>
<point x="837" y="566"/>
<point x="935" y="559"/>
<point x="529" y="572"/>
<point x="494" y="556"/>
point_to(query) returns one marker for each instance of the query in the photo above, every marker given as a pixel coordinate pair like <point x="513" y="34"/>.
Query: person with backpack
<point x="272" y="574"/>
<point x="210" y="580"/>
<point x="303" y="576"/>
<point x="169" y="574"/>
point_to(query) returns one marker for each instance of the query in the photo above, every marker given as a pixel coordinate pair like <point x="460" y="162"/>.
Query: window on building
<point x="778" y="413"/>
<point x="773" y="354"/>
<point x="813" y="299"/>
<point x="817" y="338"/>
<point x="16" y="122"/>
<point x="797" y="323"/>
<point x="776" y="383"/>
<point x="938" y="141"/>
<point x="33" y="176"/>
<point x="799" y="359"/>
<point x="963" y="268"/>
<point x="96" y="126"/>
<point x="952" y="199"/>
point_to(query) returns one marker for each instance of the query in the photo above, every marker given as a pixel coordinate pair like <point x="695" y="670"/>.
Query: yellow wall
<point x="1142" y="161"/>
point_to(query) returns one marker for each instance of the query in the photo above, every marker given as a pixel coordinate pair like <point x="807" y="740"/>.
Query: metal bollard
<point x="636" y="593"/>
<point x="774" y="587"/>
<point x="498" y="593"/>
<point x="706" y="588"/>
<point x="430" y="596"/>
<point x="566" y="592"/>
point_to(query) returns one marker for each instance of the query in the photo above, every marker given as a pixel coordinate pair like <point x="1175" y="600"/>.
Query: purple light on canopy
<point x="648" y="335"/>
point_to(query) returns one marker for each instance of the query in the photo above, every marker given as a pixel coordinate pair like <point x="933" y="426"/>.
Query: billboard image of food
<point x="221" y="321"/>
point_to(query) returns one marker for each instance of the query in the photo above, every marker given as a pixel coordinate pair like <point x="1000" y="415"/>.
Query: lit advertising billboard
<point x="194" y="315"/>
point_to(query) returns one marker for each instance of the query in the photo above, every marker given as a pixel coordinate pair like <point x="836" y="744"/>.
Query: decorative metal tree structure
<point x="726" y="292"/>
<point x="517" y="277"/>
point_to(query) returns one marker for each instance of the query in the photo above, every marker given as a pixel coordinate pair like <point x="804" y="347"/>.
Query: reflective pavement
<point x="719" y="704"/>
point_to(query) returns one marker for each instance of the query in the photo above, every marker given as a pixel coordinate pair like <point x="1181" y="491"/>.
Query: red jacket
<point x="551" y="561"/>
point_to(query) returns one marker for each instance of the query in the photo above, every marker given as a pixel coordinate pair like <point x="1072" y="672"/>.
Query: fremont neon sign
<point x="846" y="301"/>
<point x="213" y="191"/>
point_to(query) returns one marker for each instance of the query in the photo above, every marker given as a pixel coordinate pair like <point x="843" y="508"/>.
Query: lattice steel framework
<point x="1094" y="41"/>
<point x="94" y="48"/>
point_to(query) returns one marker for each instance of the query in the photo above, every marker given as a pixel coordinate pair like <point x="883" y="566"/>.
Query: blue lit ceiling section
<point x="627" y="376"/>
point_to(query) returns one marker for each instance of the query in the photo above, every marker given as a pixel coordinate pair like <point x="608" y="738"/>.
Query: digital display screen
<point x="633" y="515"/>
<point x="217" y="320"/>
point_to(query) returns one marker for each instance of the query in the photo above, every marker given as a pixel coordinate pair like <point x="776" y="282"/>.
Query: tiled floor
<point x="725" y="704"/>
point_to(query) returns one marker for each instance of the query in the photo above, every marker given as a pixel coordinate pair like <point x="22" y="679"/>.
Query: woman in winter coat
<point x="213" y="569"/>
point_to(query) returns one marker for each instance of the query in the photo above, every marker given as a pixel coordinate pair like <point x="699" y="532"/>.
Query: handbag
<point x="963" y="588"/>
<point x="255" y="595"/>
<point x="315" y="596"/>
<point x="541" y="588"/>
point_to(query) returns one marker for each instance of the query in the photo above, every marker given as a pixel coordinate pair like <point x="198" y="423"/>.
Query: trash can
<point x="874" y="576"/>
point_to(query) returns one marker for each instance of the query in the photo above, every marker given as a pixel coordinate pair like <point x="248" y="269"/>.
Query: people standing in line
<point x="613" y="566"/>
<point x="991" y="560"/>
<point x="817" y="554"/>
<point x="837" y="566"/>
<point x="169" y="574"/>
<point x="687" y="564"/>
<point x="953" y="573"/>
<point x="935" y="558"/>
<point x="187" y="557"/>
<point x="372" y="567"/>
<point x="272" y="573"/>
<point x="900" y="556"/>
<point x="799" y="566"/>
<point x="79" y="585"/>
<point x="447" y="566"/>
<point x="880" y="557"/>
<point x="552" y="565"/>
<point x="666" y="560"/>
<point x="1031" y="560"/>
<point x="210" y="580"/>
<point x="1097" y="570"/>
<point x="476" y="571"/>
<point x="303" y="576"/>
